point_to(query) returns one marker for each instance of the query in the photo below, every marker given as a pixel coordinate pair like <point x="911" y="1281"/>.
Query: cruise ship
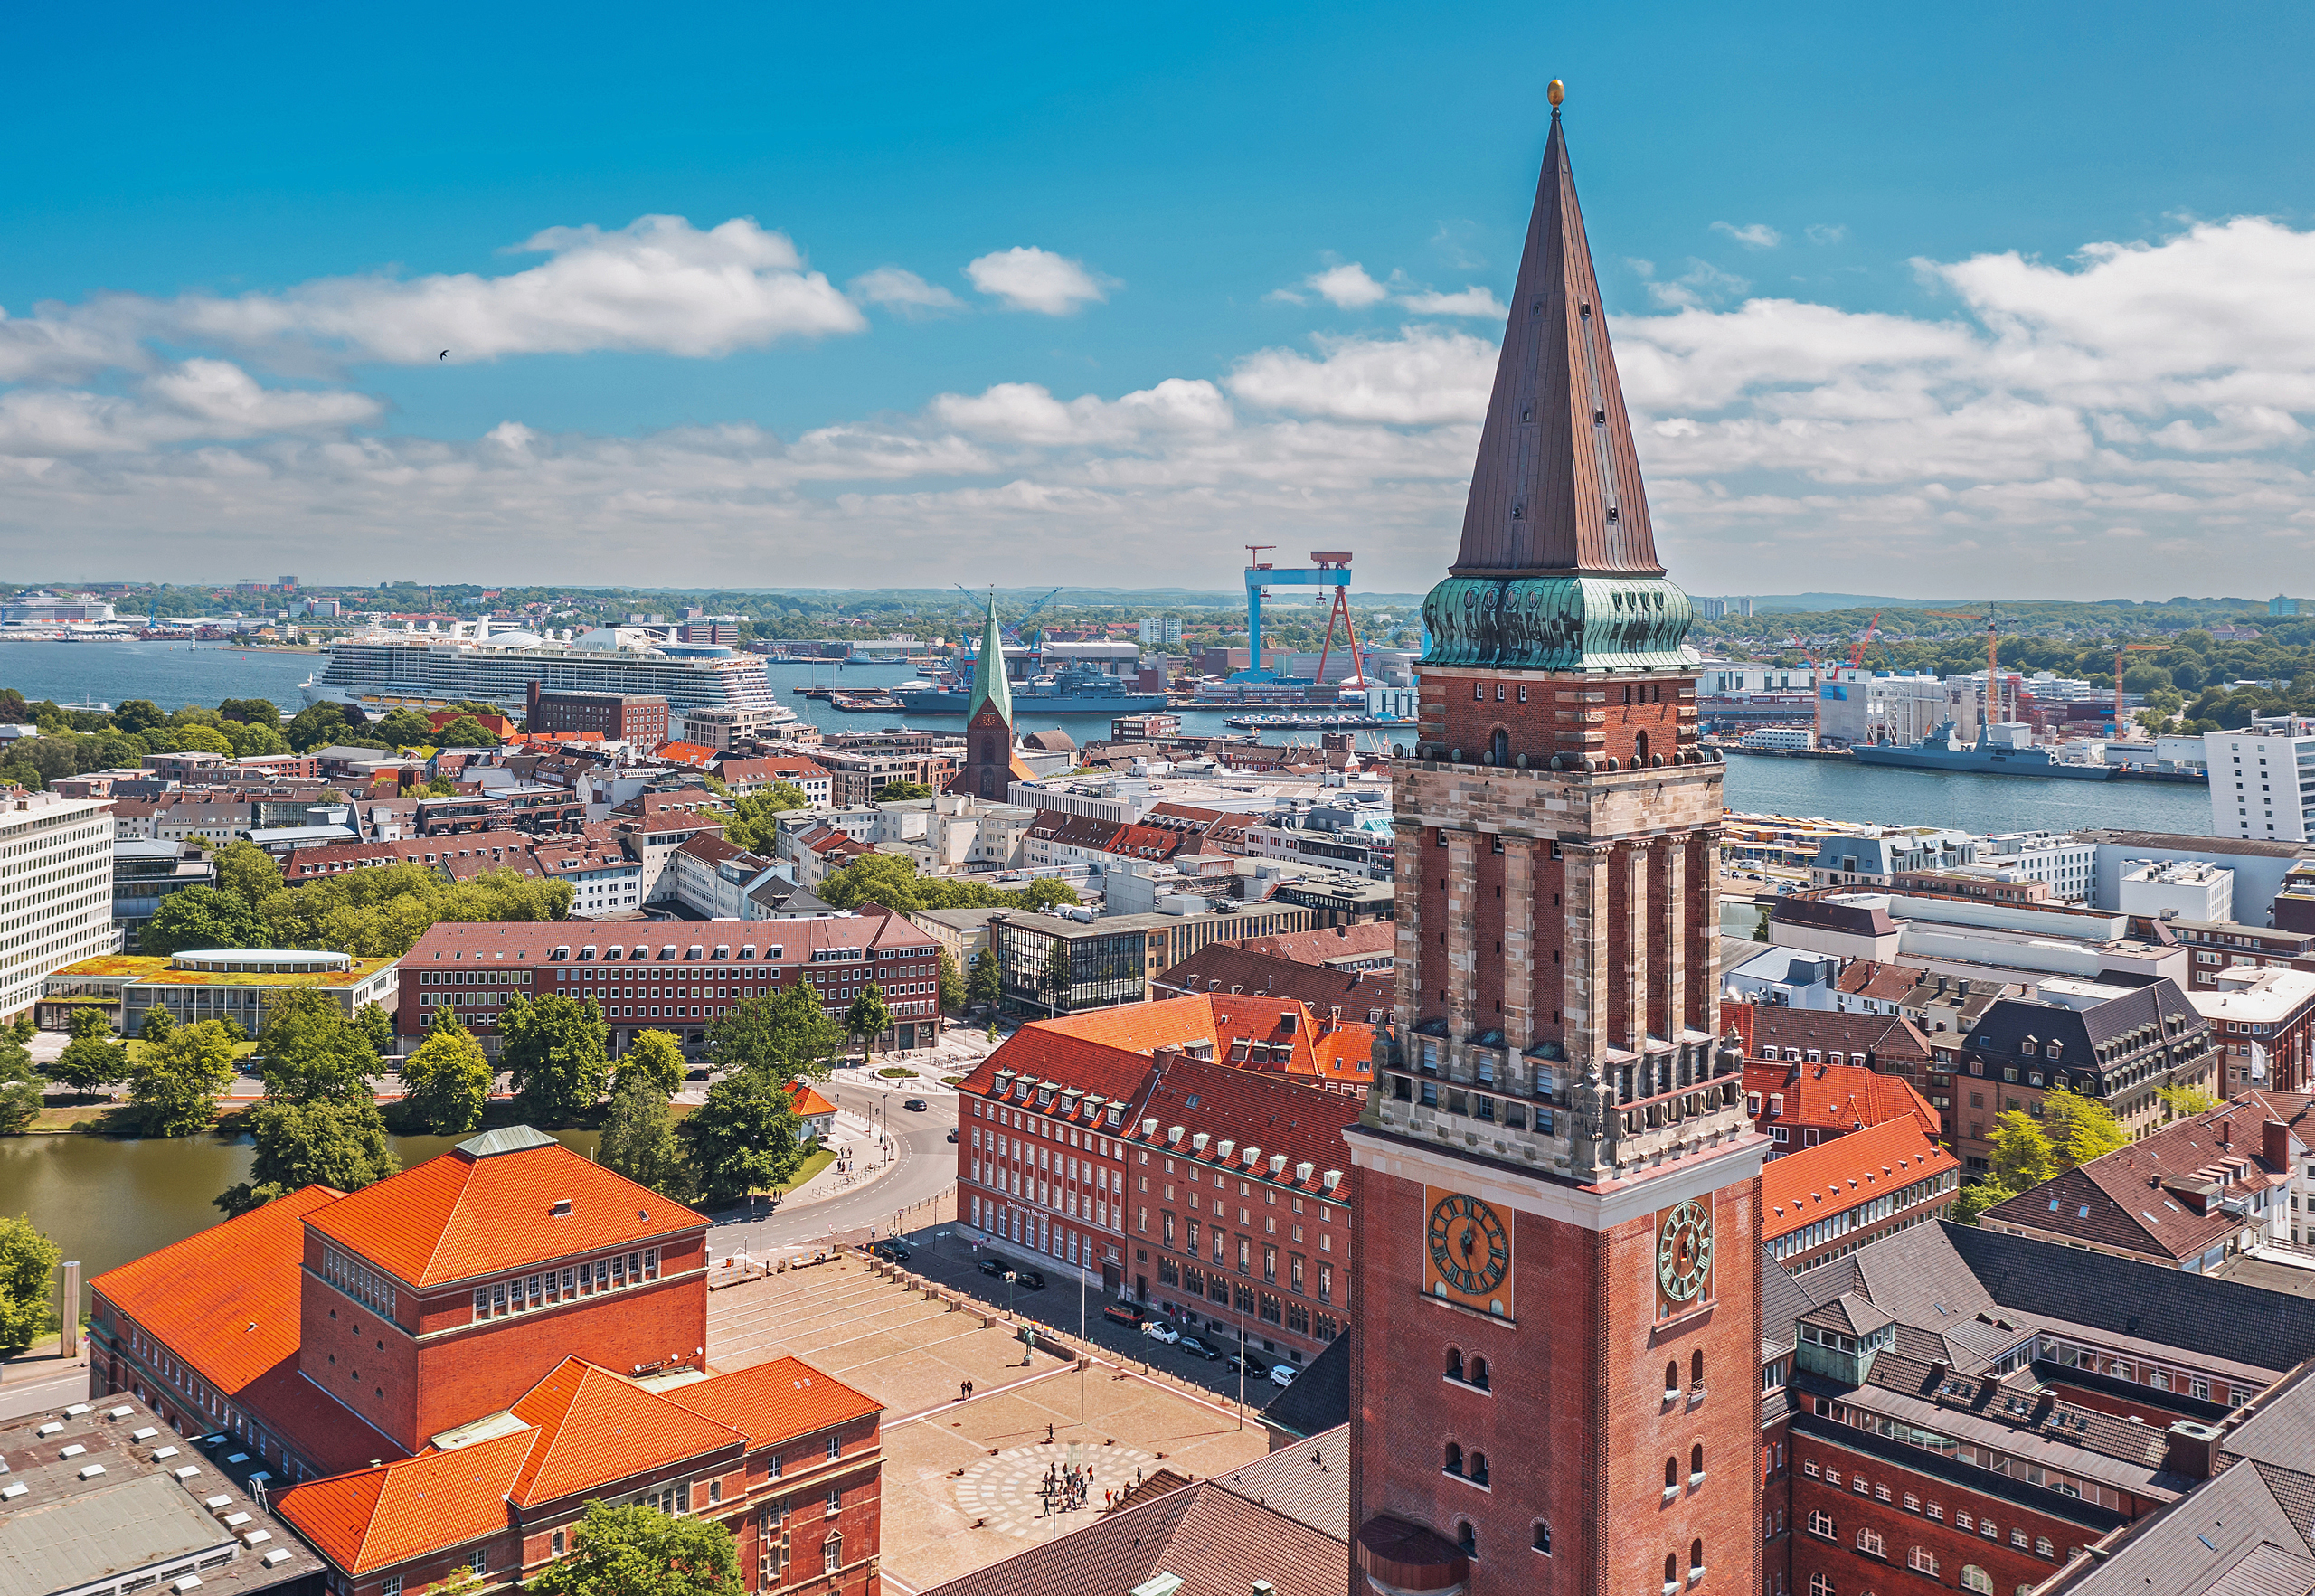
<point x="382" y="671"/>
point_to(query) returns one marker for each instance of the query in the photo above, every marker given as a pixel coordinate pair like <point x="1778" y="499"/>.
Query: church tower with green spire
<point x="990" y="767"/>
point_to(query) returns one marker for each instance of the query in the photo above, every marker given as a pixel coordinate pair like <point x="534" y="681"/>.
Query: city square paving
<point x="963" y="1479"/>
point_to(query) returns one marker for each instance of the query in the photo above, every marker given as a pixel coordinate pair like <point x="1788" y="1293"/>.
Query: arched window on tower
<point x="1696" y="1374"/>
<point x="1696" y="1559"/>
<point x="1454" y="1461"/>
<point x="1502" y="747"/>
<point x="1467" y="1539"/>
<point x="1639" y="749"/>
<point x="1695" y="1464"/>
<point x="1476" y="1469"/>
<point x="1454" y="1363"/>
<point x="1672" y="1380"/>
<point x="1671" y="1475"/>
<point x="1477" y="1376"/>
<point x="1671" y="1573"/>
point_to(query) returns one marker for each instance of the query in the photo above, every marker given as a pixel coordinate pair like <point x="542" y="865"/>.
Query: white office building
<point x="2262" y="780"/>
<point x="2068" y="865"/>
<point x="55" y="889"/>
<point x="2180" y="889"/>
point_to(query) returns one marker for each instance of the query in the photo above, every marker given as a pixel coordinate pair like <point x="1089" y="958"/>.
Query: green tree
<point x="988" y="983"/>
<point x="318" y="725"/>
<point x="1975" y="1198"/>
<point x="381" y="914"/>
<point x="466" y="732"/>
<point x="640" y="1139"/>
<point x="24" y="1027"/>
<point x="310" y="1052"/>
<point x="137" y="714"/>
<point x="195" y="739"/>
<point x="91" y="1060"/>
<point x="869" y="1018"/>
<point x="2080" y="1128"/>
<point x="376" y="1025"/>
<point x="176" y="1081"/>
<point x="638" y="1551"/>
<point x="897" y="792"/>
<point x="445" y="1081"/>
<point x="331" y="1143"/>
<point x="406" y="728"/>
<point x="22" y="1093"/>
<point x="952" y="982"/>
<point x="875" y="878"/>
<point x="201" y="917"/>
<point x="2186" y="1100"/>
<point x="155" y="1026"/>
<point x="745" y="1135"/>
<point x="251" y="739"/>
<point x="656" y="1058"/>
<point x="789" y="1032"/>
<point x="755" y="819"/>
<point x="254" y="712"/>
<point x="1047" y="892"/>
<point x="28" y="1261"/>
<point x="248" y="872"/>
<point x="2023" y="1158"/>
<point x="553" y="1048"/>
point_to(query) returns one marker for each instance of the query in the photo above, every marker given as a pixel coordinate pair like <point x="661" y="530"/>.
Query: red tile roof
<point x="591" y="1426"/>
<point x="809" y="1103"/>
<point x="1835" y="1176"/>
<point x="775" y="1400"/>
<point x="380" y="1516"/>
<point x="226" y="1301"/>
<point x="1834" y="1097"/>
<point x="458" y="1216"/>
<point x="1369" y="940"/>
<point x="1274" y="1114"/>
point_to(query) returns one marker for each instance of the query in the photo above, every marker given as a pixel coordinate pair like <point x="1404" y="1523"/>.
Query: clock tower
<point x="1553" y="1382"/>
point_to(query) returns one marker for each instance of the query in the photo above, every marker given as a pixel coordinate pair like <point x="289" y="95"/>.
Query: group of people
<point x="1066" y="1487"/>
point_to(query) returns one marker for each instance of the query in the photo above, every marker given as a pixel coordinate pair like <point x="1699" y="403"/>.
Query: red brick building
<point x="1828" y="1201"/>
<point x="669" y="976"/>
<point x="1146" y="1147"/>
<point x="616" y="717"/>
<point x="1797" y="1104"/>
<point x="1553" y="1366"/>
<point x="439" y="1370"/>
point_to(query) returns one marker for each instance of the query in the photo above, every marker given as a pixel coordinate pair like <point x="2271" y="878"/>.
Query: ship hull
<point x="1973" y="763"/>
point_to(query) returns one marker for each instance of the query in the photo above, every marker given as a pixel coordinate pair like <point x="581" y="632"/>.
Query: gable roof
<point x="1228" y="967"/>
<point x="581" y="1416"/>
<point x="1836" y="1097"/>
<point x="475" y="1211"/>
<point x="775" y="1400"/>
<point x="1833" y="1176"/>
<point x="1878" y="1036"/>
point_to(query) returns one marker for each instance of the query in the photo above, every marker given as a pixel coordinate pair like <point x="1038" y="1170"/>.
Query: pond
<point x="108" y="1200"/>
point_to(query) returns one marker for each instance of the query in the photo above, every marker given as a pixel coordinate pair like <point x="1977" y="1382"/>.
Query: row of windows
<point x="524" y="1292"/>
<point x="362" y="1283"/>
<point x="1869" y="1539"/>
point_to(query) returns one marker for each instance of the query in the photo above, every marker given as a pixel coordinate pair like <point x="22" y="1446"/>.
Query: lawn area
<point x="805" y="1171"/>
<point x="241" y="1050"/>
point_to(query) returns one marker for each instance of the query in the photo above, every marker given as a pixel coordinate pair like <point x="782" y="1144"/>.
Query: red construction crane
<point x="1857" y="655"/>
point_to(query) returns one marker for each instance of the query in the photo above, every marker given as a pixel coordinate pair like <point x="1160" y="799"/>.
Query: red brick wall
<point x="1564" y="714"/>
<point x="1576" y="1396"/>
<point x="1852" y="1571"/>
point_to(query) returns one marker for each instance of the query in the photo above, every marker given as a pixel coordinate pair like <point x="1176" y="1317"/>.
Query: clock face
<point x="1468" y="1245"/>
<point x="1684" y="1252"/>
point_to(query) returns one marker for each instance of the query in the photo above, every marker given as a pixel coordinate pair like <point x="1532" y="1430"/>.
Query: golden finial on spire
<point x="1555" y="93"/>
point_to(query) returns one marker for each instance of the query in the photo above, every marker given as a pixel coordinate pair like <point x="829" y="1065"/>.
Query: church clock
<point x="1470" y="1249"/>
<point x="1684" y="1255"/>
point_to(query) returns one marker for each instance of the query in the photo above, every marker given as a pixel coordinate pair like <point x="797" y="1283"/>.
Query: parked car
<point x="1282" y="1374"/>
<point x="891" y="1251"/>
<point x="1237" y="1362"/>
<point x="993" y="1266"/>
<point x="1029" y="1279"/>
<point x="1159" y="1330"/>
<point x="1196" y="1348"/>
<point x="952" y="1133"/>
<point x="1124" y="1313"/>
<point x="916" y="1104"/>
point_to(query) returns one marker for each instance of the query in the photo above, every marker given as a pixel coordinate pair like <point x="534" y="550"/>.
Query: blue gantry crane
<point x="1329" y="568"/>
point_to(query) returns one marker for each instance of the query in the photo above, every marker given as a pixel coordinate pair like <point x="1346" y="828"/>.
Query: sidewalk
<point x="854" y="1140"/>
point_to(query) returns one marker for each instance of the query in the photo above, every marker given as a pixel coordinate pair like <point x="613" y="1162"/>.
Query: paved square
<point x="962" y="1479"/>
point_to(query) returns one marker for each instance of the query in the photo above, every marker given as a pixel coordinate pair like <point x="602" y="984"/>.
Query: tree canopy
<point x="2079" y="1127"/>
<point x="892" y="881"/>
<point x="745" y="1138"/>
<point x="638" y="1551"/>
<point x="554" y="1049"/>
<point x="310" y="1052"/>
<point x="867" y="1017"/>
<point x="28" y="1261"/>
<point x="175" y="1081"/>
<point x="377" y="914"/>
<point x="299" y="1144"/>
<point x="656" y="1058"/>
<point x="91" y="1060"/>
<point x="201" y="917"/>
<point x="446" y="1079"/>
<point x="640" y="1140"/>
<point x="788" y="1033"/>
<point x="2023" y="1158"/>
<point x="21" y="1090"/>
<point x="754" y="823"/>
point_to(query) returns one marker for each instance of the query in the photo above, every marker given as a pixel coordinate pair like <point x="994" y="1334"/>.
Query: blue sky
<point x="2007" y="287"/>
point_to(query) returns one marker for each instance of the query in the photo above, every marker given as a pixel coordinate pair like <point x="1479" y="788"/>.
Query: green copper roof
<point x="1557" y="623"/>
<point x="990" y="686"/>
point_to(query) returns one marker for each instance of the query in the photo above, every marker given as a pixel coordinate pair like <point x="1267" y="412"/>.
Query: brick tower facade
<point x="991" y="766"/>
<point x="1558" y="1329"/>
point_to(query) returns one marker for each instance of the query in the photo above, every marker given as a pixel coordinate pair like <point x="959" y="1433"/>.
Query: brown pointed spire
<point x="1556" y="487"/>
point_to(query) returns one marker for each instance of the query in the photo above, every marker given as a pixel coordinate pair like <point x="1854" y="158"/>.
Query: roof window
<point x="722" y="950"/>
<point x="587" y="954"/>
<point x="666" y="950"/>
<point x="695" y="951"/>
<point x="560" y="953"/>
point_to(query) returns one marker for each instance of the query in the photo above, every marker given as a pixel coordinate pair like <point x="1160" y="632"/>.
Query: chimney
<point x="2227" y="1131"/>
<point x="2193" y="1450"/>
<point x="2274" y="1144"/>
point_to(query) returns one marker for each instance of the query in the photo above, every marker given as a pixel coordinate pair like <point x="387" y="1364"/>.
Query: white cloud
<point x="1753" y="235"/>
<point x="1476" y="301"/>
<point x="2091" y="421"/>
<point x="1702" y="283"/>
<point x="1347" y="287"/>
<point x="1827" y="233"/>
<point x="1029" y="278"/>
<point x="901" y="290"/>
<point x="657" y="285"/>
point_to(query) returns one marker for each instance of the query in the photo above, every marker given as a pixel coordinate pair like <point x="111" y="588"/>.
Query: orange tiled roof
<point x="1839" y="1097"/>
<point x="380" y="1516"/>
<point x="457" y="1216"/>
<point x="809" y="1103"/>
<point x="591" y="1426"/>
<point x="684" y="754"/>
<point x="1835" y="1176"/>
<point x="772" y="1401"/>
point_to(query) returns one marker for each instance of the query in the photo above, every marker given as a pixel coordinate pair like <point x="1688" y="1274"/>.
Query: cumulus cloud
<point x="657" y="285"/>
<point x="2091" y="419"/>
<point x="1027" y="278"/>
<point x="1347" y="287"/>
<point x="901" y="290"/>
<point x="1350" y="286"/>
<point x="1478" y="301"/>
<point x="1753" y="235"/>
<point x="1827" y="233"/>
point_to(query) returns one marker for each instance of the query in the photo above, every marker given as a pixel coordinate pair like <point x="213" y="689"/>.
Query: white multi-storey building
<point x="2069" y="866"/>
<point x="2262" y="780"/>
<point x="55" y="888"/>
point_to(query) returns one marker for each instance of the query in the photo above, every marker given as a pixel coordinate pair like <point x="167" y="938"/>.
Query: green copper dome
<point x="1557" y="623"/>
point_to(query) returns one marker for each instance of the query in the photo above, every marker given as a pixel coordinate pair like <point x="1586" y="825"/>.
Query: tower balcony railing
<point x="1681" y="1103"/>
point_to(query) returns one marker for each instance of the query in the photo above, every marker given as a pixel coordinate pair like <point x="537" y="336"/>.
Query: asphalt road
<point x="926" y="1166"/>
<point x="38" y="1393"/>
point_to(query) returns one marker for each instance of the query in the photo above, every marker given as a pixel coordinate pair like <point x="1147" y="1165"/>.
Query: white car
<point x="1282" y="1374"/>
<point x="1159" y="1330"/>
